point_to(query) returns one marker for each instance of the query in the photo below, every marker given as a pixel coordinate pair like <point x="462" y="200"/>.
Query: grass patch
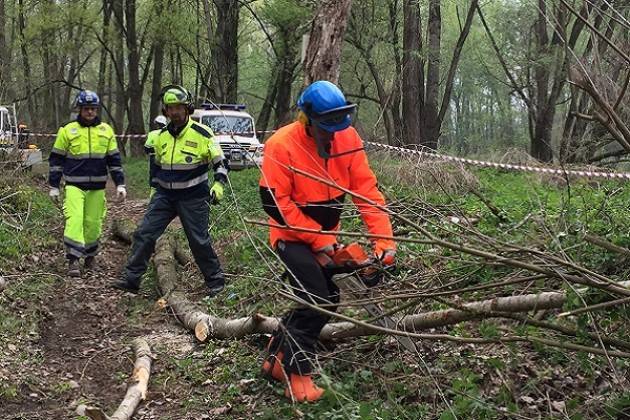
<point x="25" y="220"/>
<point x="371" y="378"/>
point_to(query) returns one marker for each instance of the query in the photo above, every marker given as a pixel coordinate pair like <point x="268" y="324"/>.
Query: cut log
<point x="123" y="229"/>
<point x="136" y="392"/>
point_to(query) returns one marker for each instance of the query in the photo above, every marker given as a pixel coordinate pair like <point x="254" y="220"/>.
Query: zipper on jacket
<point x="172" y="155"/>
<point x="89" y="150"/>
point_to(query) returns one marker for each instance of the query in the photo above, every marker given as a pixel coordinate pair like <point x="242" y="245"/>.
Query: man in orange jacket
<point x="323" y="144"/>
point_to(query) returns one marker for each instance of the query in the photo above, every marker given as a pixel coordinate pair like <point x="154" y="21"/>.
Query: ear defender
<point x="190" y="106"/>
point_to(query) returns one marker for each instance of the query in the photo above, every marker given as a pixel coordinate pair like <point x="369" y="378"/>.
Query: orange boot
<point x="272" y="366"/>
<point x="303" y="389"/>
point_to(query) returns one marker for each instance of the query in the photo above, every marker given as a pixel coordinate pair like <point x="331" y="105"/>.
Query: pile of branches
<point x="501" y="299"/>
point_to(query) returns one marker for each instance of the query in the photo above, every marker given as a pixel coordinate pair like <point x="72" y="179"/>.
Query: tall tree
<point x="539" y="80"/>
<point x="156" y="80"/>
<point x="26" y="62"/>
<point x="105" y="31"/>
<point x="412" y="72"/>
<point x="135" y="87"/>
<point x="396" y="95"/>
<point x="120" y="96"/>
<point x="433" y="93"/>
<point x="323" y="52"/>
<point x="225" y="51"/>
<point x="283" y="23"/>
<point x="370" y="39"/>
<point x="600" y="83"/>
<point x="5" y="58"/>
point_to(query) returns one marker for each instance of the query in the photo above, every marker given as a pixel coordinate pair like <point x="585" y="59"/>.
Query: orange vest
<point x="296" y="200"/>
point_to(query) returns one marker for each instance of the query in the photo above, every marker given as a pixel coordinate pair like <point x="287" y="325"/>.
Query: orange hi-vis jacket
<point x="298" y="201"/>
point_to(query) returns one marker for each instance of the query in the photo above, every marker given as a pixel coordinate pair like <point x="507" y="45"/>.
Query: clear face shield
<point x="324" y="126"/>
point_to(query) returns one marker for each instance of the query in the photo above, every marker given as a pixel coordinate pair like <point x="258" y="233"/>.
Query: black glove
<point x="371" y="276"/>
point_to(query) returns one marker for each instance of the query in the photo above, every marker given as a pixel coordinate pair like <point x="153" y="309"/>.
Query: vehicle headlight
<point x="257" y="150"/>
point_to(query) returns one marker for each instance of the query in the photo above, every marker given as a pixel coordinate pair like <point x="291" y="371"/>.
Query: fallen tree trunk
<point x="123" y="230"/>
<point x="136" y="392"/>
<point x="472" y="311"/>
<point x="206" y="326"/>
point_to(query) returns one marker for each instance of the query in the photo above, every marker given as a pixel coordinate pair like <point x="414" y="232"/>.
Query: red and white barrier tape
<point x="556" y="171"/>
<point x="142" y="136"/>
<point x="433" y="155"/>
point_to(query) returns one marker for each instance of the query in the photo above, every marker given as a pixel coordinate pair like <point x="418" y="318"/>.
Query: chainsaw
<point x="353" y="259"/>
<point x="368" y="272"/>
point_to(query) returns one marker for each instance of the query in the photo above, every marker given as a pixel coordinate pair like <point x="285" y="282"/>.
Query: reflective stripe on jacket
<point x="182" y="163"/>
<point x="150" y="151"/>
<point x="295" y="200"/>
<point x="84" y="155"/>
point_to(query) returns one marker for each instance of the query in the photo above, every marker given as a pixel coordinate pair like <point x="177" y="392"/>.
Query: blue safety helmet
<point x="326" y="106"/>
<point x="87" y="98"/>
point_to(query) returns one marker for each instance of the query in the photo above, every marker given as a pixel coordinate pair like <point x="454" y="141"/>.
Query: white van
<point x="235" y="131"/>
<point x="14" y="145"/>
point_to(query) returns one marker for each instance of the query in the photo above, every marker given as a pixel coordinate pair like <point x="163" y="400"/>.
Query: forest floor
<point x="66" y="342"/>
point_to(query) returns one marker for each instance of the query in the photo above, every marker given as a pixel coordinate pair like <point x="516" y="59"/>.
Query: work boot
<point x="126" y="286"/>
<point x="272" y="366"/>
<point x="89" y="263"/>
<point x="73" y="268"/>
<point x="301" y="388"/>
<point x="215" y="286"/>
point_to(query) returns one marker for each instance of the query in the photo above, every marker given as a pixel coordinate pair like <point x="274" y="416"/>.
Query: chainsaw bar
<point x="355" y="287"/>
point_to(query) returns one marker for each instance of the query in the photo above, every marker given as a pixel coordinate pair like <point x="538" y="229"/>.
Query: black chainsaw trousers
<point x="299" y="330"/>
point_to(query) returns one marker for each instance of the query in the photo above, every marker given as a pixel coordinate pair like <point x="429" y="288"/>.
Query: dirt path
<point x="82" y="353"/>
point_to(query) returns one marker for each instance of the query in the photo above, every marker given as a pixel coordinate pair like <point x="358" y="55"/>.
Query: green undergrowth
<point x="25" y="236"/>
<point x="25" y="214"/>
<point x="137" y="177"/>
<point x="370" y="377"/>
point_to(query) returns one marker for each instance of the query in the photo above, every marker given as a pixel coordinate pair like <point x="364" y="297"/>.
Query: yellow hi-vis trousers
<point x="84" y="212"/>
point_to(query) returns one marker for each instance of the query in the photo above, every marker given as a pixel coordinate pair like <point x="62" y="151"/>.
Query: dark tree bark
<point x="225" y="51"/>
<point x="26" y="65"/>
<point x="119" y="67"/>
<point x="49" y="115"/>
<point x="156" y="81"/>
<point x="135" y="88"/>
<point x="430" y="127"/>
<point x="5" y="57"/>
<point x="265" y="112"/>
<point x="323" y="52"/>
<point x="396" y="94"/>
<point x="284" y="84"/>
<point x="209" y="82"/>
<point x="543" y="119"/>
<point x="424" y="108"/>
<point x="102" y="67"/>
<point x="412" y="73"/>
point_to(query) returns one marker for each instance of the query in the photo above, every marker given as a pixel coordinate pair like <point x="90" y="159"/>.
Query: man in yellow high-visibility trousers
<point x="85" y="150"/>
